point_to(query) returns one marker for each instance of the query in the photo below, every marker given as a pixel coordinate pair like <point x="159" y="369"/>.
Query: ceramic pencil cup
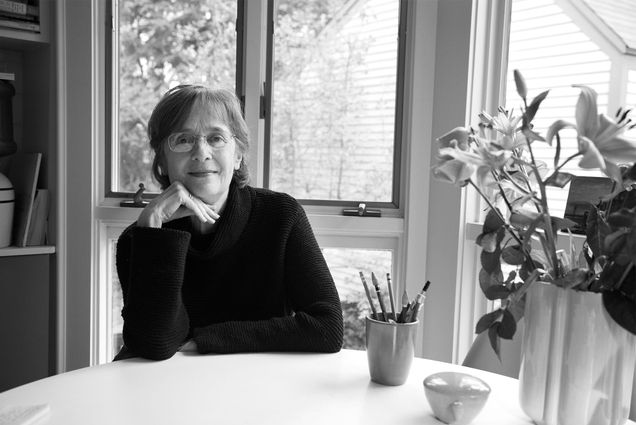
<point x="390" y="350"/>
<point x="456" y="398"/>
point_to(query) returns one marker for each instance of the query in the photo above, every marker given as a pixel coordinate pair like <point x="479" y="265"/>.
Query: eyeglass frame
<point x="171" y="138"/>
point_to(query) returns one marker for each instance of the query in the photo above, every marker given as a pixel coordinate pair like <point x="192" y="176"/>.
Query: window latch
<point x="362" y="211"/>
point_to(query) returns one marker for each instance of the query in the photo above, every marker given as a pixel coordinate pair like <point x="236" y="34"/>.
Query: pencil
<point x="419" y="300"/>
<point x="405" y="307"/>
<point x="366" y="289"/>
<point x="377" y="292"/>
<point x="388" y="284"/>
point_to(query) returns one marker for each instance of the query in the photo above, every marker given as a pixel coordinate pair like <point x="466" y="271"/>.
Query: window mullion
<point x="254" y="76"/>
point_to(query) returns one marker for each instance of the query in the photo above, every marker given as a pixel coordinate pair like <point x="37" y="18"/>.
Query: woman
<point x="212" y="261"/>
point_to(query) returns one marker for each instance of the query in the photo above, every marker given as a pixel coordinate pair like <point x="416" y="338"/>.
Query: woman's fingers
<point x="173" y="203"/>
<point x="200" y="209"/>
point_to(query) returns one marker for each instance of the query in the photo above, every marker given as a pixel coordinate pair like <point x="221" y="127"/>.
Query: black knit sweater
<point x="259" y="283"/>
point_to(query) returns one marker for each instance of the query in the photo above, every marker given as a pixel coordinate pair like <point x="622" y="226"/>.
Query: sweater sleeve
<point x="315" y="326"/>
<point x="150" y="265"/>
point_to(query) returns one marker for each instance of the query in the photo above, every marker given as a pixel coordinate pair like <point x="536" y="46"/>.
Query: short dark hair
<point x="173" y="110"/>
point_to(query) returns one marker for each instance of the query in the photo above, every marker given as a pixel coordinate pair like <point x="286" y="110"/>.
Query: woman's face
<point x="205" y="171"/>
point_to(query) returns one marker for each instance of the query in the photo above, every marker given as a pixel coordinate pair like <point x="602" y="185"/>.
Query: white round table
<point x="263" y="388"/>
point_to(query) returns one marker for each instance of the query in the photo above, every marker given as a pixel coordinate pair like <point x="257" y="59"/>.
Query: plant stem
<point x="556" y="170"/>
<point x="546" y="216"/>
<point x="492" y="207"/>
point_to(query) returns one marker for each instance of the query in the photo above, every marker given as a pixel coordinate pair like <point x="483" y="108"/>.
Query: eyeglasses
<point x="184" y="142"/>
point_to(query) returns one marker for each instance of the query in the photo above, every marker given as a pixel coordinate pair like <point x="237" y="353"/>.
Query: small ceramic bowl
<point x="455" y="398"/>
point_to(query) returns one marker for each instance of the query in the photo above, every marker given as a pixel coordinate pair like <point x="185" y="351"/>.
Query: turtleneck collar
<point x="229" y="227"/>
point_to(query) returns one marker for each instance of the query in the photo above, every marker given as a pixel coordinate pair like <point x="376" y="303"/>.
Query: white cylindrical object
<point x="7" y="204"/>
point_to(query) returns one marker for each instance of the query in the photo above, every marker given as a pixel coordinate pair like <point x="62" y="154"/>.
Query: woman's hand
<point x="173" y="203"/>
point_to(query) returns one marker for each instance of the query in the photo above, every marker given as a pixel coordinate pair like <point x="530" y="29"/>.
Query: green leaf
<point x="490" y="260"/>
<point x="517" y="309"/>
<point x="531" y="135"/>
<point x="487" y="320"/>
<point x="497" y="292"/>
<point x="494" y="338"/>
<point x="493" y="221"/>
<point x="621" y="308"/>
<point x="488" y="241"/>
<point x="534" y="106"/>
<point x="622" y="218"/>
<point x="616" y="246"/>
<point x="511" y="276"/>
<point x="521" y="220"/>
<point x="630" y="174"/>
<point x="508" y="326"/>
<point x="557" y="151"/>
<point x="486" y="280"/>
<point x="513" y="255"/>
<point x="528" y="267"/>
<point x="596" y="229"/>
<point x="611" y="276"/>
<point x="575" y="278"/>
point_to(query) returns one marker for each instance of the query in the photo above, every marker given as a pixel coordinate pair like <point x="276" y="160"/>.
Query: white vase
<point x="7" y="204"/>
<point x="577" y="363"/>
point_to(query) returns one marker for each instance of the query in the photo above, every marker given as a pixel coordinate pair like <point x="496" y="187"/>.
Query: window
<point x="555" y="44"/>
<point x="349" y="94"/>
<point x="345" y="264"/>
<point x="156" y="47"/>
<point x="334" y="86"/>
<point x="553" y="52"/>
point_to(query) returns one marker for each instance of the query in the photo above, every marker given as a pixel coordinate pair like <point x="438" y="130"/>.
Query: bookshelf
<point x="12" y="251"/>
<point x="28" y="284"/>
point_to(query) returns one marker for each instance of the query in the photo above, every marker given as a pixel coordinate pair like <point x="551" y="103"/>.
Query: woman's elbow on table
<point x="334" y="331"/>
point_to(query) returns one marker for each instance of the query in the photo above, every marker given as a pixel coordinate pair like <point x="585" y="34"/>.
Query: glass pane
<point x="554" y="58"/>
<point x="333" y="101"/>
<point x="162" y="44"/>
<point x="345" y="264"/>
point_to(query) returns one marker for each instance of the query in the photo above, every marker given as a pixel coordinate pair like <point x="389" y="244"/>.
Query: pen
<point x="377" y="292"/>
<point x="419" y="300"/>
<point x="405" y="307"/>
<point x="388" y="284"/>
<point x="366" y="289"/>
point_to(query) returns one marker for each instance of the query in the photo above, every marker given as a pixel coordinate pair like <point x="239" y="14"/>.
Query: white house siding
<point x="553" y="53"/>
<point x="630" y="98"/>
<point x="343" y="128"/>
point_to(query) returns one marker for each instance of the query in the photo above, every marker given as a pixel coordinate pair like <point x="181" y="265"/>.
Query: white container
<point x="577" y="363"/>
<point x="7" y="204"/>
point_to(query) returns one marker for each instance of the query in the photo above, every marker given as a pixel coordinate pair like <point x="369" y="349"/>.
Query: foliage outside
<point x="497" y="161"/>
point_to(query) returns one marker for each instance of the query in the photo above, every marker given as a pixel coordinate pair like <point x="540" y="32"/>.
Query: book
<point x="36" y="234"/>
<point x="10" y="76"/>
<point x="17" y="7"/>
<point x="23" y="174"/>
<point x="20" y="25"/>
<point x="20" y="14"/>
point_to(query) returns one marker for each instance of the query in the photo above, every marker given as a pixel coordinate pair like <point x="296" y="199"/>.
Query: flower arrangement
<point x="497" y="160"/>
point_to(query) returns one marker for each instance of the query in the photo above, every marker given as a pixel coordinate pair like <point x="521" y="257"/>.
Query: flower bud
<point x="521" y="84"/>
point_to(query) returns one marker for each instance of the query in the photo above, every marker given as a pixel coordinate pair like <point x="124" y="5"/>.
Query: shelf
<point x="12" y="38"/>
<point x="12" y="251"/>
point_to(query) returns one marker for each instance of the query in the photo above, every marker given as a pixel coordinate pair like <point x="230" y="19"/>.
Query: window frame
<point x="425" y="115"/>
<point x="111" y="84"/>
<point x="334" y="206"/>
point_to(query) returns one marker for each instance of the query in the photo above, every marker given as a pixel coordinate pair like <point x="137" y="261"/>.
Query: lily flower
<point x="599" y="137"/>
